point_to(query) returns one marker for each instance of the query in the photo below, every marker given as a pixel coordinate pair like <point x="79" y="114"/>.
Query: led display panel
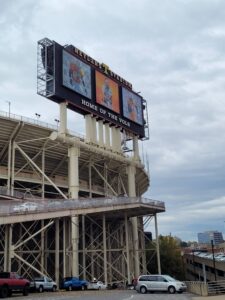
<point x="107" y="92"/>
<point x="76" y="75"/>
<point x="132" y="106"/>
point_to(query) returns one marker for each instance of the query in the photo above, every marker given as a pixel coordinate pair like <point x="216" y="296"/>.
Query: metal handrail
<point x="36" y="122"/>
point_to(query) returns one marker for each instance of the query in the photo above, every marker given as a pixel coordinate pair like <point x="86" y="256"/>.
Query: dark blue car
<point x="74" y="283"/>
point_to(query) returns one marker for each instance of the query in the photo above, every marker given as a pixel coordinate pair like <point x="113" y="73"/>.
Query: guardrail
<point x="40" y="205"/>
<point x="36" y="122"/>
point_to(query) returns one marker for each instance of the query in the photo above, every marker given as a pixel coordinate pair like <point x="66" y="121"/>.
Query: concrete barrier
<point x="197" y="287"/>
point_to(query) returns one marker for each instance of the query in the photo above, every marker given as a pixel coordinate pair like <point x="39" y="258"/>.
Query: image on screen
<point x="107" y="92"/>
<point x="132" y="106"/>
<point x="76" y="75"/>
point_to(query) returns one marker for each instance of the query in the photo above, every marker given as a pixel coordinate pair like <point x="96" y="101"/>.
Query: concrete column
<point x="127" y="249"/>
<point x="131" y="170"/>
<point x="57" y="251"/>
<point x="136" y="148"/>
<point x="93" y="130"/>
<point x="73" y="154"/>
<point x="100" y="133"/>
<point x="42" y="246"/>
<point x="13" y="168"/>
<point x="63" y="118"/>
<point x="9" y="168"/>
<point x="43" y="178"/>
<point x="113" y="135"/>
<point x="118" y="140"/>
<point x="84" y="247"/>
<point x="104" y="249"/>
<point x="66" y="235"/>
<point x="90" y="179"/>
<point x="157" y="244"/>
<point x="92" y="252"/>
<point x="88" y="128"/>
<point x="8" y="251"/>
<point x="107" y="136"/>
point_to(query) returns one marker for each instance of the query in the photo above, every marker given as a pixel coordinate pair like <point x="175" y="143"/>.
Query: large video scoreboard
<point x="91" y="87"/>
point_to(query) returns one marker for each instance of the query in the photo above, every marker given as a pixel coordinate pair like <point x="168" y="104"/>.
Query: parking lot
<point x="107" y="294"/>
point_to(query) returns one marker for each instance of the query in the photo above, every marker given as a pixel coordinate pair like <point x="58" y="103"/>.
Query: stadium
<point x="72" y="205"/>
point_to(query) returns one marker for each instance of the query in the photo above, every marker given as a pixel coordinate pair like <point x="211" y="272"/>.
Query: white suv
<point x="151" y="283"/>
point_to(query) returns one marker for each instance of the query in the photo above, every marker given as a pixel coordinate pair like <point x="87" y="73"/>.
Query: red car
<point x="11" y="282"/>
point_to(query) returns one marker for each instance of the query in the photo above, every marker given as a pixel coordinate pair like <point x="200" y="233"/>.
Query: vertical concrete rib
<point x="63" y="118"/>
<point x="104" y="249"/>
<point x="127" y="249"/>
<point x="57" y="251"/>
<point x="131" y="170"/>
<point x="9" y="167"/>
<point x="157" y="244"/>
<point x="73" y="154"/>
<point x="107" y="136"/>
<point x="100" y="133"/>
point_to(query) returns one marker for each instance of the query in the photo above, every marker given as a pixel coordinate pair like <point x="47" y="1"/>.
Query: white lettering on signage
<point x="102" y="111"/>
<point x="124" y="122"/>
<point x="88" y="104"/>
<point x="110" y="115"/>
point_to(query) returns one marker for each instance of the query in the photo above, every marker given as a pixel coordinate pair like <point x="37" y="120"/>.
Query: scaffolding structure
<point x="88" y="220"/>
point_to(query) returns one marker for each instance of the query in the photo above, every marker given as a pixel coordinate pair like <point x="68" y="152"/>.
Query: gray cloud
<point x="171" y="51"/>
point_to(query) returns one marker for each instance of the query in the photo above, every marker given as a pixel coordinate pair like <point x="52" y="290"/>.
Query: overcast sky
<point x="171" y="51"/>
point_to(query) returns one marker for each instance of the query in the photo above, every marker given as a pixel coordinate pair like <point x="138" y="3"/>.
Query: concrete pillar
<point x="157" y="245"/>
<point x="66" y="239"/>
<point x="42" y="246"/>
<point x="13" y="169"/>
<point x="88" y="124"/>
<point x="8" y="251"/>
<point x="84" y="247"/>
<point x="131" y="170"/>
<point x="113" y="135"/>
<point x="136" y="148"/>
<point x="57" y="251"/>
<point x="73" y="154"/>
<point x="100" y="133"/>
<point x="104" y="249"/>
<point x="90" y="179"/>
<point x="118" y="140"/>
<point x="93" y="130"/>
<point x="9" y="168"/>
<point x="63" y="118"/>
<point x="107" y="136"/>
<point x="43" y="178"/>
<point x="127" y="249"/>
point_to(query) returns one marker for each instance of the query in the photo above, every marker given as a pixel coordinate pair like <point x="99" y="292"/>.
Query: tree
<point x="170" y="256"/>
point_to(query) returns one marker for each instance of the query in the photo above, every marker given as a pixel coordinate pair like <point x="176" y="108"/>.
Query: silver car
<point x="150" y="283"/>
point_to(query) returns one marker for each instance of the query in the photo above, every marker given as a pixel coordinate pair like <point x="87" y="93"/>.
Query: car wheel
<point x="70" y="288"/>
<point x="26" y="290"/>
<point x="54" y="288"/>
<point x="143" y="290"/>
<point x="40" y="289"/>
<point x="171" y="289"/>
<point x="4" y="292"/>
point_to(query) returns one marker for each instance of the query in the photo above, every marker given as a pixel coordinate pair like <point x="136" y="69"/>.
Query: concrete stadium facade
<point x="88" y="216"/>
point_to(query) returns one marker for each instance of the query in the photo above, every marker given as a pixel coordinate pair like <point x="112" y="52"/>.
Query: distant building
<point x="208" y="236"/>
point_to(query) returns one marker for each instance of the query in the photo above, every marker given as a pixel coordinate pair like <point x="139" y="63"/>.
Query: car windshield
<point x="67" y="278"/>
<point x="169" y="278"/>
